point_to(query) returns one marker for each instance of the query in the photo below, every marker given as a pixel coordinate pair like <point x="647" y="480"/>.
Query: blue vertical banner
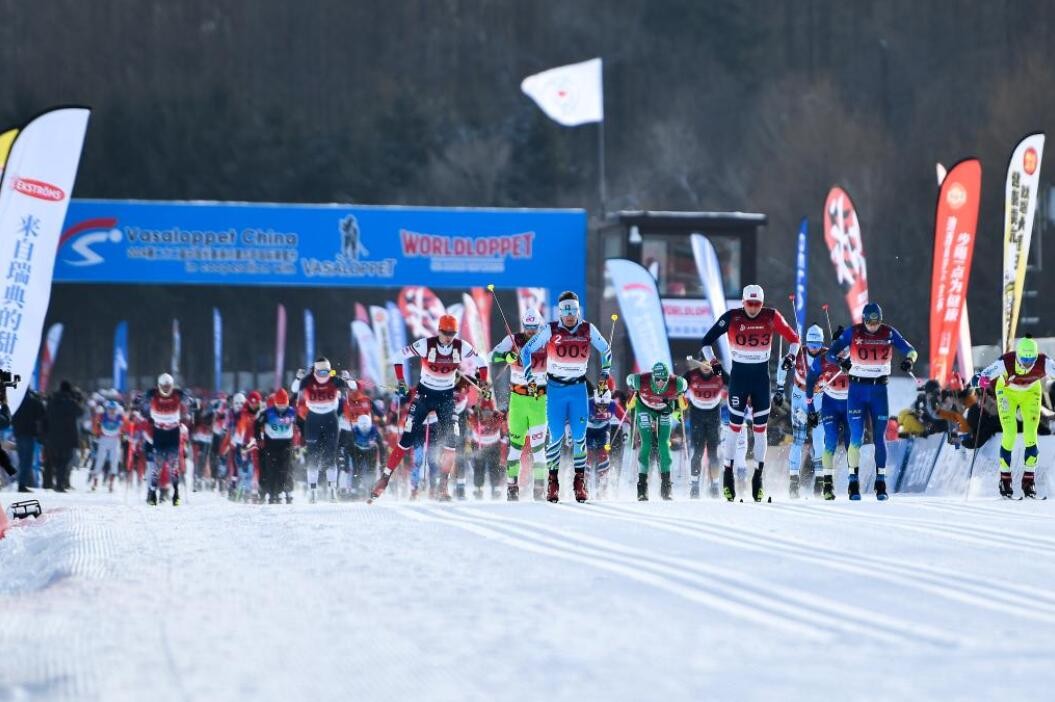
<point x="801" y="271"/>
<point x="309" y="338"/>
<point x="120" y="370"/>
<point x="217" y="349"/>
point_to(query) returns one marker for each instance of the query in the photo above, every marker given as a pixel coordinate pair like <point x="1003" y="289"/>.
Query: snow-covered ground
<point x="925" y="598"/>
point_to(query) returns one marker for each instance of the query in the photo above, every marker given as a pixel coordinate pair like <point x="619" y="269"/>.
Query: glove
<point x="812" y="418"/>
<point x="532" y="387"/>
<point x="789" y="362"/>
<point x="632" y="402"/>
<point x="906" y="365"/>
<point x="984" y="382"/>
<point x="301" y="373"/>
<point x="401" y="388"/>
<point x="838" y="332"/>
<point x="346" y="376"/>
<point x="510" y="357"/>
<point x="846" y="364"/>
<point x="716" y="366"/>
<point x="485" y="392"/>
<point x="778" y="398"/>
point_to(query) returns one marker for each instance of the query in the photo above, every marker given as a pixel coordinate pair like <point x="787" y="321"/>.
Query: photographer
<point x="5" y="422"/>
<point x="63" y="437"/>
<point x="28" y="427"/>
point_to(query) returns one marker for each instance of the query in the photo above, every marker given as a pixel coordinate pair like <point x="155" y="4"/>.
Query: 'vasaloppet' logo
<point x="349" y="263"/>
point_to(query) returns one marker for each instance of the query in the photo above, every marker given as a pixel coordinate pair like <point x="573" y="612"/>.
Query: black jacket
<point x="29" y="419"/>
<point x="63" y="415"/>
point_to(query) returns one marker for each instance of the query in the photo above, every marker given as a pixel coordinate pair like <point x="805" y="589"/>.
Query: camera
<point x="9" y="379"/>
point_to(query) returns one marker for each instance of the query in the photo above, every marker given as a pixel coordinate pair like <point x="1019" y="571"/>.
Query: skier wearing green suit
<point x="657" y="397"/>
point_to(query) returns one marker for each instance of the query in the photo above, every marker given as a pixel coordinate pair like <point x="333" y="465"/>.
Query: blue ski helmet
<point x="872" y="312"/>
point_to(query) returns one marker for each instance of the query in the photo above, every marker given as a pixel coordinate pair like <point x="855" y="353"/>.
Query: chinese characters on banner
<point x="1020" y="204"/>
<point x="842" y="233"/>
<point x="34" y="195"/>
<point x="955" y="225"/>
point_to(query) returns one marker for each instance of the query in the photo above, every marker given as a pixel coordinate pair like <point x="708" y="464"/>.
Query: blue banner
<point x="217" y="349"/>
<point x="802" y="263"/>
<point x="119" y="241"/>
<point x="309" y="338"/>
<point x="120" y="361"/>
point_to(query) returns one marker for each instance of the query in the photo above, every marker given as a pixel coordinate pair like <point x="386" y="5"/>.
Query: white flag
<point x="571" y="94"/>
<point x="34" y="194"/>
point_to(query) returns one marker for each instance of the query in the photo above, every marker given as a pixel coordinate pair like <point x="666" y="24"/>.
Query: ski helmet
<point x="530" y="320"/>
<point x="254" y="398"/>
<point x="660" y="374"/>
<point x="754" y="294"/>
<point x="1026" y="352"/>
<point x="282" y="398"/>
<point x="814" y="337"/>
<point x="872" y="313"/>
<point x="165" y="383"/>
<point x="112" y="406"/>
<point x="237" y="402"/>
<point x="448" y="324"/>
<point x="364" y="422"/>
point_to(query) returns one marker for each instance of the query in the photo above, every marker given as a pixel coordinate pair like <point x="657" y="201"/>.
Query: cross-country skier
<point x="527" y="406"/>
<point x="829" y="376"/>
<point x="245" y="448"/>
<point x="108" y="426"/>
<point x="871" y="346"/>
<point x="750" y="330"/>
<point x="487" y="433"/>
<point x="800" y="429"/>
<point x="320" y="395"/>
<point x="704" y="393"/>
<point x="366" y="453"/>
<point x="276" y="425"/>
<point x="441" y="359"/>
<point x="603" y="421"/>
<point x="162" y="408"/>
<point x="1019" y="378"/>
<point x="462" y="395"/>
<point x="657" y="396"/>
<point x="567" y="343"/>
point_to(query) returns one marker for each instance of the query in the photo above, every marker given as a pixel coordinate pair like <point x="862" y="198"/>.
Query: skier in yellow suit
<point x="1018" y="380"/>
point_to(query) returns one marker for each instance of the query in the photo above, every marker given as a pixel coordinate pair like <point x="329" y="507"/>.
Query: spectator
<point x="983" y="421"/>
<point x="63" y="436"/>
<point x="28" y="428"/>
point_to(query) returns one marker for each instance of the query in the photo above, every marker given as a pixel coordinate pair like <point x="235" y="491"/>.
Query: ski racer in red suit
<point x="320" y="396"/>
<point x="162" y="407"/>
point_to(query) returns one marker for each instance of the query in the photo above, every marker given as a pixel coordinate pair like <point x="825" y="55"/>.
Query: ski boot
<point x="513" y="493"/>
<point x="313" y="495"/>
<point x="175" y="496"/>
<point x="729" y="483"/>
<point x="579" y="486"/>
<point x="379" y="486"/>
<point x="289" y="498"/>
<point x="828" y="490"/>
<point x="333" y="494"/>
<point x="459" y="492"/>
<point x="665" y="486"/>
<point x="793" y="487"/>
<point x="442" y="492"/>
<point x="1029" y="485"/>
<point x="538" y="490"/>
<point x="881" y="493"/>
<point x="756" y="485"/>
<point x="552" y="487"/>
<point x="1006" y="490"/>
<point x="818" y="486"/>
<point x="855" y="487"/>
<point x="694" y="489"/>
<point x="478" y="493"/>
<point x="496" y="493"/>
<point x="642" y="487"/>
<point x="152" y="498"/>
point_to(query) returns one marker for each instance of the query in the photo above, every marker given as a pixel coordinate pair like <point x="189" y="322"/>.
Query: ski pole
<point x="794" y="313"/>
<point x="611" y="334"/>
<point x="619" y="427"/>
<point x="828" y="318"/>
<point x="505" y="321"/>
<point x="974" y="455"/>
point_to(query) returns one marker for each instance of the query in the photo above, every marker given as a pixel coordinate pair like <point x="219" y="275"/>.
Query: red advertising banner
<point x="842" y="233"/>
<point x="955" y="225"/>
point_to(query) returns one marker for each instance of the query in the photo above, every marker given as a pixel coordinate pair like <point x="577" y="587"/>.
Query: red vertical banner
<point x="955" y="226"/>
<point x="842" y="233"/>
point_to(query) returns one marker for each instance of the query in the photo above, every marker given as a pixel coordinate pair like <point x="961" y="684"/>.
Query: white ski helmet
<point x="165" y="383"/>
<point x="530" y="320"/>
<point x="364" y="422"/>
<point x="754" y="293"/>
<point x="238" y="402"/>
<point x="814" y="336"/>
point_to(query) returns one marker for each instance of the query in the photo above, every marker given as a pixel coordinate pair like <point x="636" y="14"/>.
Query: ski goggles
<point x="568" y="308"/>
<point x="1026" y="361"/>
<point x="814" y="346"/>
<point x="753" y="305"/>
